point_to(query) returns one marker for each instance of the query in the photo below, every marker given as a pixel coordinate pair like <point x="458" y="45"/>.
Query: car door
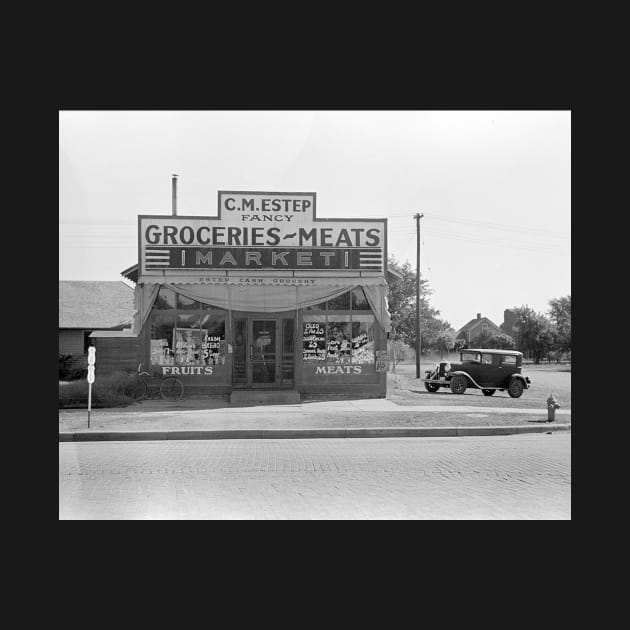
<point x="491" y="371"/>
<point x="471" y="364"/>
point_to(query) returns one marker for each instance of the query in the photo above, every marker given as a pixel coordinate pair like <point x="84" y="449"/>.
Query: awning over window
<point x="266" y="298"/>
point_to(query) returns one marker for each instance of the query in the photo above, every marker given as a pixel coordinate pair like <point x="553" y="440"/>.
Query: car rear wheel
<point x="430" y="387"/>
<point x="516" y="388"/>
<point x="488" y="392"/>
<point x="459" y="384"/>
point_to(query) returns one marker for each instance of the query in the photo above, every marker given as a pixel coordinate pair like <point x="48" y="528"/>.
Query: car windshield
<point x="470" y="356"/>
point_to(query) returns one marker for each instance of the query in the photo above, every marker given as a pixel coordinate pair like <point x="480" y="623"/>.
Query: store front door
<point x="263" y="351"/>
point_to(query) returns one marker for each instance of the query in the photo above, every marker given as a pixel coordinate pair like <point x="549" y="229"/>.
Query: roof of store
<point x="95" y="304"/>
<point x="107" y="334"/>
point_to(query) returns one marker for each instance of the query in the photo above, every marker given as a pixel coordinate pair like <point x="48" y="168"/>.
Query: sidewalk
<point x="210" y="419"/>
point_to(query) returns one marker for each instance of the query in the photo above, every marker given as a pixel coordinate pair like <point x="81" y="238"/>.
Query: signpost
<point x="382" y="361"/>
<point x="90" y="377"/>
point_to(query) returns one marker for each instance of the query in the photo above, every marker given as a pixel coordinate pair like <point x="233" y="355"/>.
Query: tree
<point x="560" y="315"/>
<point x="445" y="341"/>
<point x="501" y="341"/>
<point x="483" y="340"/>
<point x="402" y="308"/>
<point x="533" y="333"/>
<point x="460" y="343"/>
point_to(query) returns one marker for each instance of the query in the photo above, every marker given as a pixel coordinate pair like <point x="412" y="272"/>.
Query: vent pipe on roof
<point x="478" y="314"/>
<point x="174" y="181"/>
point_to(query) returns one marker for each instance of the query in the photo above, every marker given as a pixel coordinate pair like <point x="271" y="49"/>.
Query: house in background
<point x="476" y="327"/>
<point x="89" y="306"/>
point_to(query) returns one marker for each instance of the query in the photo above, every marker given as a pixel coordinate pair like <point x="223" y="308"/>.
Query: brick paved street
<point x="498" y="477"/>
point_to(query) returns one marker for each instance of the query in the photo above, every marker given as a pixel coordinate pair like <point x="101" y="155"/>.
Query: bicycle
<point x="170" y="388"/>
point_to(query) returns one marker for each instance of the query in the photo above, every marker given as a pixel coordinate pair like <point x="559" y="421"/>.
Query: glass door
<point x="263" y="351"/>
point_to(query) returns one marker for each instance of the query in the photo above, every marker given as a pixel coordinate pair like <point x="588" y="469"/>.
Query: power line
<point x="486" y="224"/>
<point x="488" y="239"/>
<point x="500" y="226"/>
<point x="533" y="247"/>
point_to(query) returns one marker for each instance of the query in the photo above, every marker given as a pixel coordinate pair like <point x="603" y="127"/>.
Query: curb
<point x="287" y="434"/>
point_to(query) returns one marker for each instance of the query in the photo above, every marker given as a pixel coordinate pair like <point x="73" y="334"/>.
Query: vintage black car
<point x="484" y="369"/>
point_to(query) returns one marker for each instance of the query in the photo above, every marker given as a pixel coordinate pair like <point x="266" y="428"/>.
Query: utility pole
<point x="417" y="218"/>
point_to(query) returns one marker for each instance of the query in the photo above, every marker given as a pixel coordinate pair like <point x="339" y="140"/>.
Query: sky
<point x="494" y="188"/>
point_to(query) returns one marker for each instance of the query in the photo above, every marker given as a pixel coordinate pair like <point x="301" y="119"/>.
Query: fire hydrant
<point x="552" y="405"/>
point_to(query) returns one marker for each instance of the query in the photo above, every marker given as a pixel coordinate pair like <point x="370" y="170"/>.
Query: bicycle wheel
<point x="136" y="389"/>
<point x="171" y="388"/>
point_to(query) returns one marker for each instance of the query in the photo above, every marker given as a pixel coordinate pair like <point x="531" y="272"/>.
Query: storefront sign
<point x="269" y="280"/>
<point x="256" y="231"/>
<point x="186" y="370"/>
<point x="338" y="369"/>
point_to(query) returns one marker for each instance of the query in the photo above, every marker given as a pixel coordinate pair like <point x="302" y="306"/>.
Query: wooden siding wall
<point x="116" y="354"/>
<point x="71" y="342"/>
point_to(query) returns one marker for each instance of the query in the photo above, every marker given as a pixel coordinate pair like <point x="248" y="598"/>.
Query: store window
<point x="162" y="349"/>
<point x="340" y="330"/>
<point x="165" y="299"/>
<point x="340" y="303"/>
<point x="184" y="303"/>
<point x="316" y="307"/>
<point x="363" y="338"/>
<point x="359" y="301"/>
<point x="186" y="332"/>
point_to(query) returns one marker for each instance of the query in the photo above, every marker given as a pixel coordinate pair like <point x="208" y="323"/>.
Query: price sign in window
<point x="314" y="340"/>
<point x="213" y="348"/>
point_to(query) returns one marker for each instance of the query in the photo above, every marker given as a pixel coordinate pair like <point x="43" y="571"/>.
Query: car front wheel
<point x="488" y="392"/>
<point x="459" y="384"/>
<point x="430" y="387"/>
<point x="516" y="388"/>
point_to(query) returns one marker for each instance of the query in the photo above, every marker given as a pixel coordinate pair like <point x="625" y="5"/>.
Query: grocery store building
<point x="264" y="299"/>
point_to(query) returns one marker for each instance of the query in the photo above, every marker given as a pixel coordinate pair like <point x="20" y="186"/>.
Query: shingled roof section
<point x="95" y="304"/>
<point x="473" y="322"/>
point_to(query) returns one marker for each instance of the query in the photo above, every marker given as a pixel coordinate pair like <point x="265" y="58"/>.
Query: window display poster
<point x="314" y="341"/>
<point x="160" y="352"/>
<point x="339" y="342"/>
<point x="188" y="344"/>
